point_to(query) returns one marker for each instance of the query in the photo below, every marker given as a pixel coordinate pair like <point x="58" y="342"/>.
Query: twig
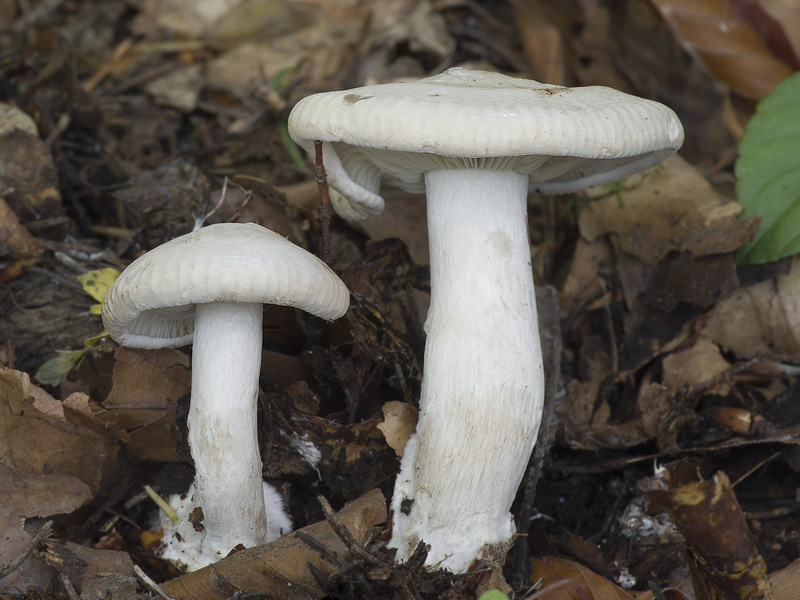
<point x="142" y="78"/>
<point x="199" y="220"/>
<point x="150" y="584"/>
<point x="656" y="590"/>
<point x="61" y="126"/>
<point x="348" y="538"/>
<point x="44" y="531"/>
<point x="119" y="52"/>
<point x="69" y="589"/>
<point x="554" y="586"/>
<point x="325" y="204"/>
<point x="321" y="549"/>
<point x="163" y="505"/>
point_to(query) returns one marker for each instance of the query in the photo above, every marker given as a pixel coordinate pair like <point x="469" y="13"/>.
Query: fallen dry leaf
<point x="279" y="370"/>
<point x="282" y="568"/>
<point x="584" y="285"/>
<point x="160" y="204"/>
<point x="28" y="177"/>
<point x="728" y="46"/>
<point x="94" y="574"/>
<point x="778" y="24"/>
<point x="259" y="20"/>
<point x="147" y="385"/>
<point x="404" y="217"/>
<point x="179" y="89"/>
<point x="423" y="29"/>
<point x="542" y="42"/>
<point x="314" y="54"/>
<point x="15" y="240"/>
<point x="551" y="570"/>
<point x="12" y="118"/>
<point x="306" y="447"/>
<point x="698" y="364"/>
<point x="399" y="422"/>
<point x="763" y="318"/>
<point x="25" y="495"/>
<point x="786" y="582"/>
<point x="41" y="435"/>
<point x="711" y="521"/>
<point x="186" y="17"/>
<point x="670" y="207"/>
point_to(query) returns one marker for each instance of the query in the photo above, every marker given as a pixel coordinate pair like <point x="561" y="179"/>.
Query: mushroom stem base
<point x="223" y="436"/>
<point x="483" y="385"/>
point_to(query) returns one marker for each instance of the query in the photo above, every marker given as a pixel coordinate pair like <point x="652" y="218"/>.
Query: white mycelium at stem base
<point x="223" y="438"/>
<point x="483" y="387"/>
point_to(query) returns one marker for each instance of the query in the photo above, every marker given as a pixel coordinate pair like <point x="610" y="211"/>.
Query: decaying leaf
<point x="670" y="207"/>
<point x="786" y="581"/>
<point x="141" y="406"/>
<point x="283" y="568"/>
<point x="552" y="570"/>
<point x="94" y="574"/>
<point x="312" y="448"/>
<point x="542" y="42"/>
<point x="778" y="24"/>
<point x="96" y="283"/>
<point x="707" y="514"/>
<point x="161" y="204"/>
<point x="763" y="318"/>
<point x="698" y="364"/>
<point x="15" y="240"/>
<point x="728" y="46"/>
<point x="399" y="422"/>
<point x="28" y="176"/>
<point x="41" y="435"/>
<point x="259" y="20"/>
<point x="25" y="495"/>
<point x="12" y="118"/>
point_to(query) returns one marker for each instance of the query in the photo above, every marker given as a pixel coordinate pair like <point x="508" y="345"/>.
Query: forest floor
<point x="669" y="466"/>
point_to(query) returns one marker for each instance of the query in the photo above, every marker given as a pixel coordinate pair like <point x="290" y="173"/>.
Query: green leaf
<point x="768" y="174"/>
<point x="493" y="595"/>
<point x="52" y="371"/>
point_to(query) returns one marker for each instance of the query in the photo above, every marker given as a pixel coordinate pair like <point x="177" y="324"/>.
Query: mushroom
<point x="476" y="143"/>
<point x="207" y="288"/>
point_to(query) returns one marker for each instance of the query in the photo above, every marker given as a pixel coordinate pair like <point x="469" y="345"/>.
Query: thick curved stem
<point x="483" y="385"/>
<point x="223" y="438"/>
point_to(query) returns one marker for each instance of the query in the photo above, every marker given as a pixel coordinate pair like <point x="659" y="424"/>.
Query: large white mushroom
<point x="476" y="143"/>
<point x="208" y="288"/>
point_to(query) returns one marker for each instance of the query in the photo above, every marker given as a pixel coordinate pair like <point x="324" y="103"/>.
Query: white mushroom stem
<point x="223" y="438"/>
<point x="483" y="385"/>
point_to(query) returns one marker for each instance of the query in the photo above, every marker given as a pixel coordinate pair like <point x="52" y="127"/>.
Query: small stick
<point x="347" y="537"/>
<point x="325" y="204"/>
<point x="68" y="588"/>
<point x="163" y="505"/>
<point x="151" y="585"/>
<point x="44" y="531"/>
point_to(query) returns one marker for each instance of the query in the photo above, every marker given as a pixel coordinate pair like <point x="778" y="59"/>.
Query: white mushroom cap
<point x="564" y="139"/>
<point x="152" y="303"/>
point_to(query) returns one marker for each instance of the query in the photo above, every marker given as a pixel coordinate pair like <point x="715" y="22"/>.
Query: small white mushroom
<point x="476" y="143"/>
<point x="208" y="288"/>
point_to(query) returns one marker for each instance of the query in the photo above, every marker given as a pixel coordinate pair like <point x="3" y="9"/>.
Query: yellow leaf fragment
<point x="95" y="283"/>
